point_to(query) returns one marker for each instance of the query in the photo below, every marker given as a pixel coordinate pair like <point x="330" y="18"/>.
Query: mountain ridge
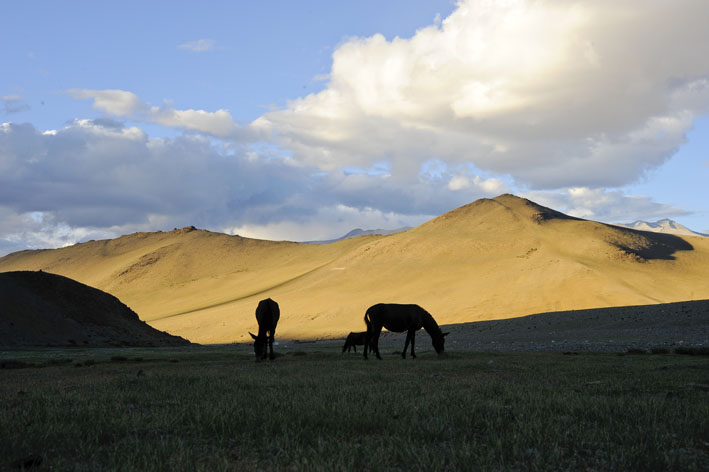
<point x="491" y="259"/>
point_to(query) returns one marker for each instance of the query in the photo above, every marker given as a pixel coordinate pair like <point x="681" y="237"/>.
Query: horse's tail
<point x="368" y="322"/>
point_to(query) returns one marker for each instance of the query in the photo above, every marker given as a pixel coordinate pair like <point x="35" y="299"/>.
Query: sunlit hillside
<point x="494" y="258"/>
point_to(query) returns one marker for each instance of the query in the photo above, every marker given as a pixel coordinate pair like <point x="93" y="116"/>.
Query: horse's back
<point x="397" y="317"/>
<point x="268" y="312"/>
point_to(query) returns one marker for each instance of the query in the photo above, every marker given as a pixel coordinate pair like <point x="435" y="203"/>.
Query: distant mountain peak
<point x="362" y="232"/>
<point x="664" y="225"/>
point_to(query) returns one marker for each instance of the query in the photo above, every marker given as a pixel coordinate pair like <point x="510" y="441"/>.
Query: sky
<point x="304" y="120"/>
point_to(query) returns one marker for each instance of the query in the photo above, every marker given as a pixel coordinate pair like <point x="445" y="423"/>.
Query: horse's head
<point x="439" y="341"/>
<point x="259" y="346"/>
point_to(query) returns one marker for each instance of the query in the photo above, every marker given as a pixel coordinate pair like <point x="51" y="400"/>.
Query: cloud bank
<point x="99" y="178"/>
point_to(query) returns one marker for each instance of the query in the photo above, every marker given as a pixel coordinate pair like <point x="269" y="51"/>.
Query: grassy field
<point x="315" y="409"/>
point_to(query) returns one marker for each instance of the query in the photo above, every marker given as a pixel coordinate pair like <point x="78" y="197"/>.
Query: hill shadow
<point x="647" y="245"/>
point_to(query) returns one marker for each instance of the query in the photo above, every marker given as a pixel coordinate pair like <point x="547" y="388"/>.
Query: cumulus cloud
<point x="550" y="92"/>
<point x="13" y="104"/>
<point x="121" y="103"/>
<point x="200" y="45"/>
<point x="218" y="123"/>
<point x="113" y="102"/>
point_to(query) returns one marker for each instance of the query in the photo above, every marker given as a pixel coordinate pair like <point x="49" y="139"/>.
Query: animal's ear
<point x="446" y="334"/>
<point x="252" y="335"/>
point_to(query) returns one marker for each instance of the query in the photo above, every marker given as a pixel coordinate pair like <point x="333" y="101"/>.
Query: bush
<point x="693" y="350"/>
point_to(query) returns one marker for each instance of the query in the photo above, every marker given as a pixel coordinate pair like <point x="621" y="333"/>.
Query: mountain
<point x="362" y="232"/>
<point x="491" y="259"/>
<point x="666" y="226"/>
<point x="42" y="309"/>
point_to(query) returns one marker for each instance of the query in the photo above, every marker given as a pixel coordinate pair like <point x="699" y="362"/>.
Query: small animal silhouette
<point x="400" y="318"/>
<point x="353" y="340"/>
<point x="267" y="315"/>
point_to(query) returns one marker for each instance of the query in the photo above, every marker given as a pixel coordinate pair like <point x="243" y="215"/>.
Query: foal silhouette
<point x="267" y="315"/>
<point x="353" y="340"/>
<point x="400" y="318"/>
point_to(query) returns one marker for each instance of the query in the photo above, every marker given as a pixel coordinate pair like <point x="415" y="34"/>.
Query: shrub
<point x="693" y="350"/>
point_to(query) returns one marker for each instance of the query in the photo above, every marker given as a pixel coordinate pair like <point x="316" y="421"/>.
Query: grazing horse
<point x="353" y="340"/>
<point x="400" y="318"/>
<point x="267" y="315"/>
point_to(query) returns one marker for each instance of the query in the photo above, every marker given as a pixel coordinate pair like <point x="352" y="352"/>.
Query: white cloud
<point x="605" y="205"/>
<point x="200" y="45"/>
<point x="550" y="92"/>
<point x="124" y="104"/>
<point x="113" y="102"/>
<point x="488" y="186"/>
<point x="218" y="123"/>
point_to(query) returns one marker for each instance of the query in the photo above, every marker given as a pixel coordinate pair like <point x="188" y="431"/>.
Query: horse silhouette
<point x="267" y="315"/>
<point x="353" y="340"/>
<point x="400" y="318"/>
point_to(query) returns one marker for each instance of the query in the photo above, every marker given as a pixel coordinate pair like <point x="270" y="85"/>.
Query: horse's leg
<point x="367" y="335"/>
<point x="270" y="343"/>
<point x="375" y="338"/>
<point x="406" y="344"/>
<point x="354" y="346"/>
<point x="413" y="341"/>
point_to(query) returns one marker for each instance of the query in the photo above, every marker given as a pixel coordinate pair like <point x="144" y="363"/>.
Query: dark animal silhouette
<point x="400" y="318"/>
<point x="267" y="315"/>
<point x="353" y="340"/>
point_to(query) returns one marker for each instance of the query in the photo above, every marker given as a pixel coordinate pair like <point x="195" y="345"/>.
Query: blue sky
<point x="303" y="120"/>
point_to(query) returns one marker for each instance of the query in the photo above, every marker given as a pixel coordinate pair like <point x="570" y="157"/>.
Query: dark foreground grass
<point x="216" y="409"/>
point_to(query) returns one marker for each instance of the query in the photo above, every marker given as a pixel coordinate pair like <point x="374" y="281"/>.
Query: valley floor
<point x="313" y="408"/>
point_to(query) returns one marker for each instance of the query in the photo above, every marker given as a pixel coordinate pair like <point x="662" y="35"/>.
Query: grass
<point x="216" y="409"/>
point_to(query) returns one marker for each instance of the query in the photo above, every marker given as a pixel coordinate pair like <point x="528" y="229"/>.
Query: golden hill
<point x="494" y="258"/>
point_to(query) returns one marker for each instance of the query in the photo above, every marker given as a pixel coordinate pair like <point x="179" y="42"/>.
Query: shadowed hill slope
<point x="42" y="309"/>
<point x="494" y="258"/>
